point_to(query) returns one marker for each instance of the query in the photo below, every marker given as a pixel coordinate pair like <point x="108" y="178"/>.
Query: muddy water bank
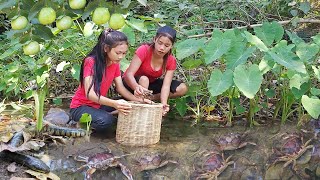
<point x="187" y="146"/>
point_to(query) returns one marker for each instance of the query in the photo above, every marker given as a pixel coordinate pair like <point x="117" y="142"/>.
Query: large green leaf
<point x="137" y="24"/>
<point x="219" y="82"/>
<point x="307" y="51"/>
<point x="181" y="106"/>
<point x="305" y="7"/>
<point x="294" y="38"/>
<point x="6" y="4"/>
<point x="191" y="63"/>
<point x="305" y="87"/>
<point x="316" y="71"/>
<point x="269" y="32"/>
<point x="312" y="105"/>
<point x="130" y="34"/>
<point x="188" y="47"/>
<point x="237" y="57"/>
<point x="256" y="41"/>
<point x="248" y="80"/>
<point x="42" y="31"/>
<point x="297" y="80"/>
<point x="316" y="39"/>
<point x="216" y="47"/>
<point x="282" y="54"/>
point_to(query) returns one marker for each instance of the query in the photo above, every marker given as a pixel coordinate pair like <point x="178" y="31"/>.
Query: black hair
<point x="165" y="31"/>
<point x="111" y="38"/>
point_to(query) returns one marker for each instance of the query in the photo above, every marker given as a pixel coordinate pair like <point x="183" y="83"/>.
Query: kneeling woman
<point x="150" y="62"/>
<point x="98" y="70"/>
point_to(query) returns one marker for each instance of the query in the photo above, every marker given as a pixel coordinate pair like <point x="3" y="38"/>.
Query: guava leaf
<point x="248" y="80"/>
<point x="128" y="31"/>
<point x="219" y="82"/>
<point x="43" y="32"/>
<point x="311" y="105"/>
<point x="137" y="24"/>
<point x="256" y="41"/>
<point x="188" y="47"/>
<point x="307" y="51"/>
<point x="7" y="4"/>
<point x="216" y="47"/>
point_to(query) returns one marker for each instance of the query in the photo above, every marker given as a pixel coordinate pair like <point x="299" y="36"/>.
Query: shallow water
<point x="187" y="145"/>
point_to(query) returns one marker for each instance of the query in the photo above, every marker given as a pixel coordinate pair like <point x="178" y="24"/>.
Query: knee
<point x="102" y="122"/>
<point x="181" y="90"/>
<point x="143" y="80"/>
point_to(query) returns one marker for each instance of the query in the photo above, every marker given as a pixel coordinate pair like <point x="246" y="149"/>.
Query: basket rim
<point x="136" y="103"/>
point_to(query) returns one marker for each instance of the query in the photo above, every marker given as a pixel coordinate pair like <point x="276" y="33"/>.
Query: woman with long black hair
<point x="99" y="69"/>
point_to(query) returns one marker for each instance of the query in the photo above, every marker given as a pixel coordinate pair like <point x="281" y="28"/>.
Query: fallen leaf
<point x="43" y="176"/>
<point x="20" y="178"/>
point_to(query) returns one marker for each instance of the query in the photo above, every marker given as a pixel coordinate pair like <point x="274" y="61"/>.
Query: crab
<point x="291" y="150"/>
<point x="153" y="161"/>
<point x="232" y="141"/>
<point x="213" y="166"/>
<point x="102" y="161"/>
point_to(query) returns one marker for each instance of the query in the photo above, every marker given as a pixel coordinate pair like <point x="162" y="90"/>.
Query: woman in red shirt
<point x="98" y="70"/>
<point x="150" y="63"/>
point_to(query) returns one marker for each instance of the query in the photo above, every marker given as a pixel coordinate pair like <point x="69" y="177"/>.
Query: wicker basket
<point x="141" y="126"/>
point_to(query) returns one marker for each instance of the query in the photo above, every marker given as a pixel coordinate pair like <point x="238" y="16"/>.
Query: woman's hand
<point x="138" y="91"/>
<point x="122" y="106"/>
<point x="165" y="109"/>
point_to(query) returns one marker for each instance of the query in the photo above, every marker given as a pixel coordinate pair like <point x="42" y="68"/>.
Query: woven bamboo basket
<point x="141" y="127"/>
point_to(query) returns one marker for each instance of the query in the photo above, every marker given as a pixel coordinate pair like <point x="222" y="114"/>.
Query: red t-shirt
<point x="144" y="53"/>
<point x="111" y="73"/>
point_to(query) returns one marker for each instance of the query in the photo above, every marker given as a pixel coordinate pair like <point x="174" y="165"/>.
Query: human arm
<point x="130" y="79"/>
<point x="125" y="93"/>
<point x="121" y="105"/>
<point x="165" y="90"/>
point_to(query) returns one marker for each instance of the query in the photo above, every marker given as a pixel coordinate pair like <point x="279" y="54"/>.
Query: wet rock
<point x="274" y="172"/>
<point x="251" y="174"/>
<point x="57" y="116"/>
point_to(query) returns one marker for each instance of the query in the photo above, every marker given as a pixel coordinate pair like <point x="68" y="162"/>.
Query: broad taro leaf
<point x="301" y="91"/>
<point x="294" y="37"/>
<point x="248" y="80"/>
<point x="269" y="32"/>
<point x="188" y="47"/>
<point x="181" y="105"/>
<point x="256" y="41"/>
<point x="316" y="71"/>
<point x="312" y="105"/>
<point x="307" y="51"/>
<point x="314" y="91"/>
<point x="305" y="7"/>
<point x="266" y="64"/>
<point x="191" y="63"/>
<point x="283" y="55"/>
<point x="298" y="79"/>
<point x="219" y="82"/>
<point x="236" y="57"/>
<point x="216" y="47"/>
<point x="316" y="39"/>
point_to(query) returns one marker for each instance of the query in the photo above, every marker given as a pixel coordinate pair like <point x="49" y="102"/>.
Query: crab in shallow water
<point x="232" y="141"/>
<point x="102" y="161"/>
<point x="152" y="161"/>
<point x="291" y="149"/>
<point x="213" y="166"/>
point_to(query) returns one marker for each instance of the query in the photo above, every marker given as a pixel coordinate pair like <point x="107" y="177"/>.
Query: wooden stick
<point x="257" y="25"/>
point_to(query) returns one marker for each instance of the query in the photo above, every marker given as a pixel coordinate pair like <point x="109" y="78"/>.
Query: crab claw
<point x="89" y="172"/>
<point x="126" y="171"/>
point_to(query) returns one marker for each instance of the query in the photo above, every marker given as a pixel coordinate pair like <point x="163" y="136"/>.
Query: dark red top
<point x="80" y="98"/>
<point x="144" y="53"/>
